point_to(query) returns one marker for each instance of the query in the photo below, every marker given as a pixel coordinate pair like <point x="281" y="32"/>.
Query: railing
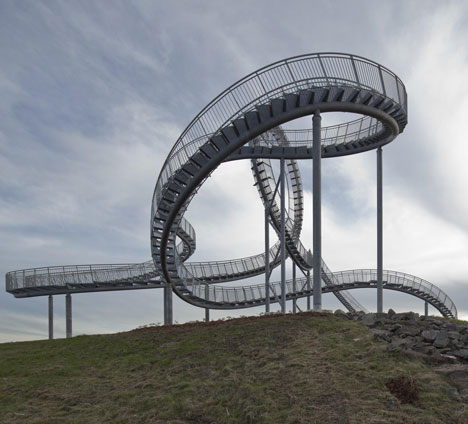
<point x="397" y="278"/>
<point x="330" y="136"/>
<point x="61" y="276"/>
<point x="286" y="76"/>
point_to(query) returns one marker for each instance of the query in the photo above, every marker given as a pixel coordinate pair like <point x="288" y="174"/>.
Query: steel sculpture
<point x="244" y="122"/>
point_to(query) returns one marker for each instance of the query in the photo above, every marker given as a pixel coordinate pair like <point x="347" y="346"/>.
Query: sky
<point x="95" y="94"/>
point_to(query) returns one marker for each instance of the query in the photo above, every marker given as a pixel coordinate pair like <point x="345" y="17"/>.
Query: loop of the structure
<point x="243" y="123"/>
<point x="274" y="95"/>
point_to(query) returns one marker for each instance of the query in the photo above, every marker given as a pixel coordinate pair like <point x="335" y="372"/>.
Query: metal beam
<point x="283" y="239"/>
<point x="68" y="315"/>
<point x="308" y="290"/>
<point x="267" y="261"/>
<point x="167" y="304"/>
<point x="294" y="288"/>
<point x="379" y="233"/>
<point x="51" y="317"/>
<point x="426" y="309"/>
<point x="317" y="209"/>
<point x="207" y="297"/>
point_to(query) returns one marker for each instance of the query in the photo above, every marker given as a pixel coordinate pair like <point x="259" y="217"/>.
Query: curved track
<point x="243" y="123"/>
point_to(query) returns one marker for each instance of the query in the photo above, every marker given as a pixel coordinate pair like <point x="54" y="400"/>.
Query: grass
<point x="304" y="368"/>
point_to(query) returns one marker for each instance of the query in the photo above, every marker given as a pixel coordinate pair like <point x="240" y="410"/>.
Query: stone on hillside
<point x="441" y="340"/>
<point x="390" y="313"/>
<point x="429" y="335"/>
<point x="398" y="344"/>
<point x="382" y="334"/>
<point x="395" y="327"/>
<point x="370" y="320"/>
<point x="340" y="313"/>
<point x="459" y="379"/>
<point x="406" y="316"/>
<point x="427" y="350"/>
<point x="454" y="335"/>
<point x="462" y="353"/>
<point x="451" y="326"/>
<point x="409" y="331"/>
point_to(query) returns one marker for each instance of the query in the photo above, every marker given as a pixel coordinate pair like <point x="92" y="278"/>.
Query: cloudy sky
<point x="94" y="94"/>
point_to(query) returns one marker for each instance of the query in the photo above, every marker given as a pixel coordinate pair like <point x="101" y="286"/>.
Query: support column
<point x="68" y="315"/>
<point x="167" y="304"/>
<point x="308" y="289"/>
<point x="426" y="309"/>
<point x="283" y="239"/>
<point x="317" y="209"/>
<point x="51" y="317"/>
<point x="267" y="261"/>
<point x="379" y="233"/>
<point x="294" y="288"/>
<point x="207" y="297"/>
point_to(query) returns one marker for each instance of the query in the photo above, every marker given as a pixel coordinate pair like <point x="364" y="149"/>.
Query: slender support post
<point x="267" y="261"/>
<point x="207" y="297"/>
<point x="379" y="233"/>
<point x="167" y="304"/>
<point x="68" y="315"/>
<point x="317" y="209"/>
<point x="426" y="309"/>
<point x="294" y="288"/>
<point x="283" y="240"/>
<point x="308" y="289"/>
<point x="51" y="317"/>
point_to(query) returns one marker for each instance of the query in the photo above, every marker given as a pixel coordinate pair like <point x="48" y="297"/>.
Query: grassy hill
<point x="304" y="368"/>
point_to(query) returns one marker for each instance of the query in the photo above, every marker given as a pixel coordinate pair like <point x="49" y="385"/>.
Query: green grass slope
<point x="303" y="368"/>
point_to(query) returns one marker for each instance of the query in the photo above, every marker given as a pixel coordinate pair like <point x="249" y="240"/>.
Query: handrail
<point x="334" y="69"/>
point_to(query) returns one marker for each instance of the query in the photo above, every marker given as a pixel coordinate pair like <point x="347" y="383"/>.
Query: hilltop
<point x="303" y="368"/>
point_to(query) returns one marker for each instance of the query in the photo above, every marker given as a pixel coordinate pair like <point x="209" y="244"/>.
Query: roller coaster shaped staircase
<point x="244" y="122"/>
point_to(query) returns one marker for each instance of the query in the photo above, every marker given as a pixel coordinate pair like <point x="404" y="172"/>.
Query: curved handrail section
<point x="258" y="103"/>
<point x="396" y="278"/>
<point x="286" y="76"/>
<point x="235" y="297"/>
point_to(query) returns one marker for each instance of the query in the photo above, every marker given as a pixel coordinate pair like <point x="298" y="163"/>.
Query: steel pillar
<point x="308" y="289"/>
<point x="68" y="315"/>
<point x="379" y="233"/>
<point x="167" y="304"/>
<point x="426" y="309"/>
<point x="294" y="288"/>
<point x="317" y="209"/>
<point x="267" y="260"/>
<point x="283" y="239"/>
<point x="51" y="317"/>
<point x="207" y="297"/>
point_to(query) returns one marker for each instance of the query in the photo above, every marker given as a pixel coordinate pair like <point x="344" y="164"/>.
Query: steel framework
<point x="244" y="122"/>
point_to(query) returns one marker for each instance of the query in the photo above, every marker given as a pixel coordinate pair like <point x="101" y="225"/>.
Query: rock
<point x="441" y="340"/>
<point x="459" y="379"/>
<point x="427" y="350"/>
<point x="398" y="344"/>
<point x="340" y="313"/>
<point x="390" y="313"/>
<point x="429" y="335"/>
<point x="451" y="326"/>
<point x="408" y="331"/>
<point x="406" y="316"/>
<point x="382" y="334"/>
<point x="464" y="392"/>
<point x="454" y="335"/>
<point x="395" y="327"/>
<point x="370" y="320"/>
<point x="462" y="353"/>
